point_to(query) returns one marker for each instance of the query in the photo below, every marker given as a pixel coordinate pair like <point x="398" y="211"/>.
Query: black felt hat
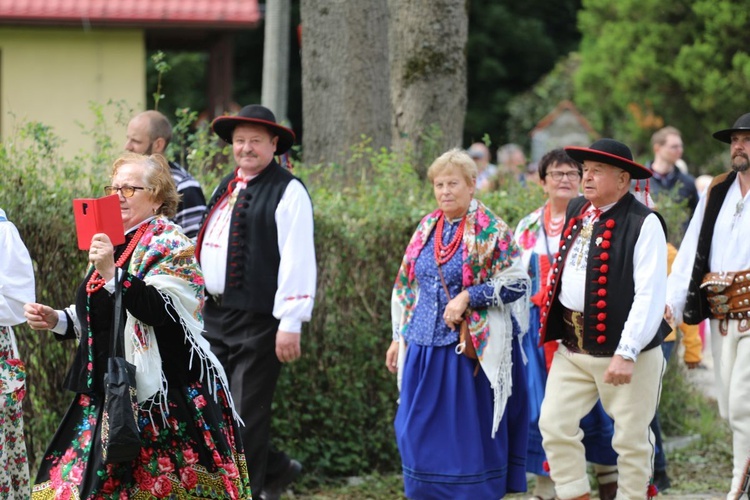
<point x="611" y="152"/>
<point x="741" y="125"/>
<point x="258" y="115"/>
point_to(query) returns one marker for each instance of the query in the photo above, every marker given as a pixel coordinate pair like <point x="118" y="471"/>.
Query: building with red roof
<point x="59" y="56"/>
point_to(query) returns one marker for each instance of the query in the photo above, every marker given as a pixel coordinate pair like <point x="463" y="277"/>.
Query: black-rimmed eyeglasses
<point x="127" y="191"/>
<point x="557" y="175"/>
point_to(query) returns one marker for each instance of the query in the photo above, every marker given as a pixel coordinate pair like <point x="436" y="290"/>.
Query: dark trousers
<point x="245" y="343"/>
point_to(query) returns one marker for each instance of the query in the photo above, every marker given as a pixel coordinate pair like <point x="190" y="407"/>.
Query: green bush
<point x="334" y="408"/>
<point x="36" y="191"/>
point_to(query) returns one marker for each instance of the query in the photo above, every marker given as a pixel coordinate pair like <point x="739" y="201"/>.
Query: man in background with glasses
<point x="667" y="147"/>
<point x="669" y="180"/>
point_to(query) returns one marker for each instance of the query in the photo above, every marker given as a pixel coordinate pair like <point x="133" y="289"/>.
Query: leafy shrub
<point x="36" y="191"/>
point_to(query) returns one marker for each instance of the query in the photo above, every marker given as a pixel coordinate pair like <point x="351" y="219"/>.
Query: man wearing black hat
<point x="711" y="279"/>
<point x="605" y="306"/>
<point x="258" y="258"/>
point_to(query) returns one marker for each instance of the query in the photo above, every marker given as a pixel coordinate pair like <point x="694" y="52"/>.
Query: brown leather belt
<point x="728" y="294"/>
<point x="573" y="328"/>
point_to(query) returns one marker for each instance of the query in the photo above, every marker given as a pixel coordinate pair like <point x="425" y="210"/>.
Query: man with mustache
<point x="258" y="258"/>
<point x="711" y="279"/>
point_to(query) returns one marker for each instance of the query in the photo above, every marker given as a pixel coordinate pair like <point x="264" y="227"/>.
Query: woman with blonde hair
<point x="461" y="424"/>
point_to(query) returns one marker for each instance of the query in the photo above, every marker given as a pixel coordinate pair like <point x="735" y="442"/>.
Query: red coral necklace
<point x="552" y="227"/>
<point x="444" y="253"/>
<point x="96" y="282"/>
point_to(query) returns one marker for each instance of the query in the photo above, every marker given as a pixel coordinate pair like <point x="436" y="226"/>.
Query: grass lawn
<point x="701" y="470"/>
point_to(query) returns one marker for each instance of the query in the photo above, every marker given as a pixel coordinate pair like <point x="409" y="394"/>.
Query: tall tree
<point x="345" y="77"/>
<point x="649" y="63"/>
<point x="428" y="72"/>
<point x="512" y="45"/>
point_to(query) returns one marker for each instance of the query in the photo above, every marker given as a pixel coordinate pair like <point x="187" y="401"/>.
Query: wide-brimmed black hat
<point x="741" y="125"/>
<point x="611" y="152"/>
<point x="258" y="115"/>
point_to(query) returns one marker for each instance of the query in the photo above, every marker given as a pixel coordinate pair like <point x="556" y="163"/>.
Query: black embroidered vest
<point x="696" y="305"/>
<point x="253" y="258"/>
<point x="610" y="288"/>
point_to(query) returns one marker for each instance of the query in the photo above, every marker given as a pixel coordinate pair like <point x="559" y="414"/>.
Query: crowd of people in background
<point x="599" y="324"/>
<point x="537" y="349"/>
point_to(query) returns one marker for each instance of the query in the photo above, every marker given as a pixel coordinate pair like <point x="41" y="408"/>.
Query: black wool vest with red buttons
<point x="253" y="257"/>
<point x="610" y="288"/>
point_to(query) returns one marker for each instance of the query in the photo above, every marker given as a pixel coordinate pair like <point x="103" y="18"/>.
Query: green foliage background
<point x="648" y="63"/>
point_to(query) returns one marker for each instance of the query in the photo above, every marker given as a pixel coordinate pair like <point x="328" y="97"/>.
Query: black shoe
<point x="274" y="489"/>
<point x="661" y="480"/>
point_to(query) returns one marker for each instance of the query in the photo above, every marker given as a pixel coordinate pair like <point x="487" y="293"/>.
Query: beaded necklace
<point x="96" y="282"/>
<point x="444" y="253"/>
<point x="552" y="228"/>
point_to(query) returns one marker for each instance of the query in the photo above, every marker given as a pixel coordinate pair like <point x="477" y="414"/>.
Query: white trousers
<point x="574" y="384"/>
<point x="731" y="350"/>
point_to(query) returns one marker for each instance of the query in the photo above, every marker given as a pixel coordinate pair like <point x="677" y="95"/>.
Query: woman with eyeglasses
<point x="538" y="235"/>
<point x="190" y="444"/>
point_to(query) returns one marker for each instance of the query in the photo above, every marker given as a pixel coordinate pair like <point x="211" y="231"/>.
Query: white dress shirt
<point x="16" y="274"/>
<point x="649" y="263"/>
<point x="729" y="248"/>
<point x="295" y="294"/>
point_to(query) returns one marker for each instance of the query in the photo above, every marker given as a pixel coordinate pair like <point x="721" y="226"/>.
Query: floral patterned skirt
<point x="14" y="467"/>
<point x="197" y="454"/>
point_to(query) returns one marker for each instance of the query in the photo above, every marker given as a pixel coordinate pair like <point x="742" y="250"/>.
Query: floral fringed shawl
<point x="527" y="233"/>
<point x="165" y="259"/>
<point x="489" y="255"/>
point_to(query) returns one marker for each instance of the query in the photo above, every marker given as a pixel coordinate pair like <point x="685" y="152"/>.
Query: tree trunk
<point x="428" y="76"/>
<point x="274" y="94"/>
<point x="345" y="92"/>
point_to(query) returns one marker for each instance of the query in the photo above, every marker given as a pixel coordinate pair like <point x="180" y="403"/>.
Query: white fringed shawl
<point x="165" y="259"/>
<point x="489" y="255"/>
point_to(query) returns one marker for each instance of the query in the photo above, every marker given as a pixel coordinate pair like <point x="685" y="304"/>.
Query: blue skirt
<point x="444" y="428"/>
<point x="597" y="426"/>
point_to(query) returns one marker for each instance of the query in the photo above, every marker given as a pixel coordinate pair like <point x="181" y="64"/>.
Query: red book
<point x="98" y="215"/>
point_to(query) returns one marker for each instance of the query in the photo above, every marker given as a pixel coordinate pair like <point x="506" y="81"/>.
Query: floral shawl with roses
<point x="165" y="259"/>
<point x="489" y="255"/>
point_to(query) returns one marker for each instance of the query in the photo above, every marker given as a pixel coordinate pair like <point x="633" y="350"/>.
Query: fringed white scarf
<point x="160" y="252"/>
<point x="488" y="250"/>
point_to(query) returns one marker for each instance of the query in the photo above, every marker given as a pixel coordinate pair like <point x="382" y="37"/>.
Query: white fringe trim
<point x="147" y="360"/>
<point x="497" y="358"/>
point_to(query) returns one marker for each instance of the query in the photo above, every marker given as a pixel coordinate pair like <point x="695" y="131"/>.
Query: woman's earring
<point x="153" y="210"/>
